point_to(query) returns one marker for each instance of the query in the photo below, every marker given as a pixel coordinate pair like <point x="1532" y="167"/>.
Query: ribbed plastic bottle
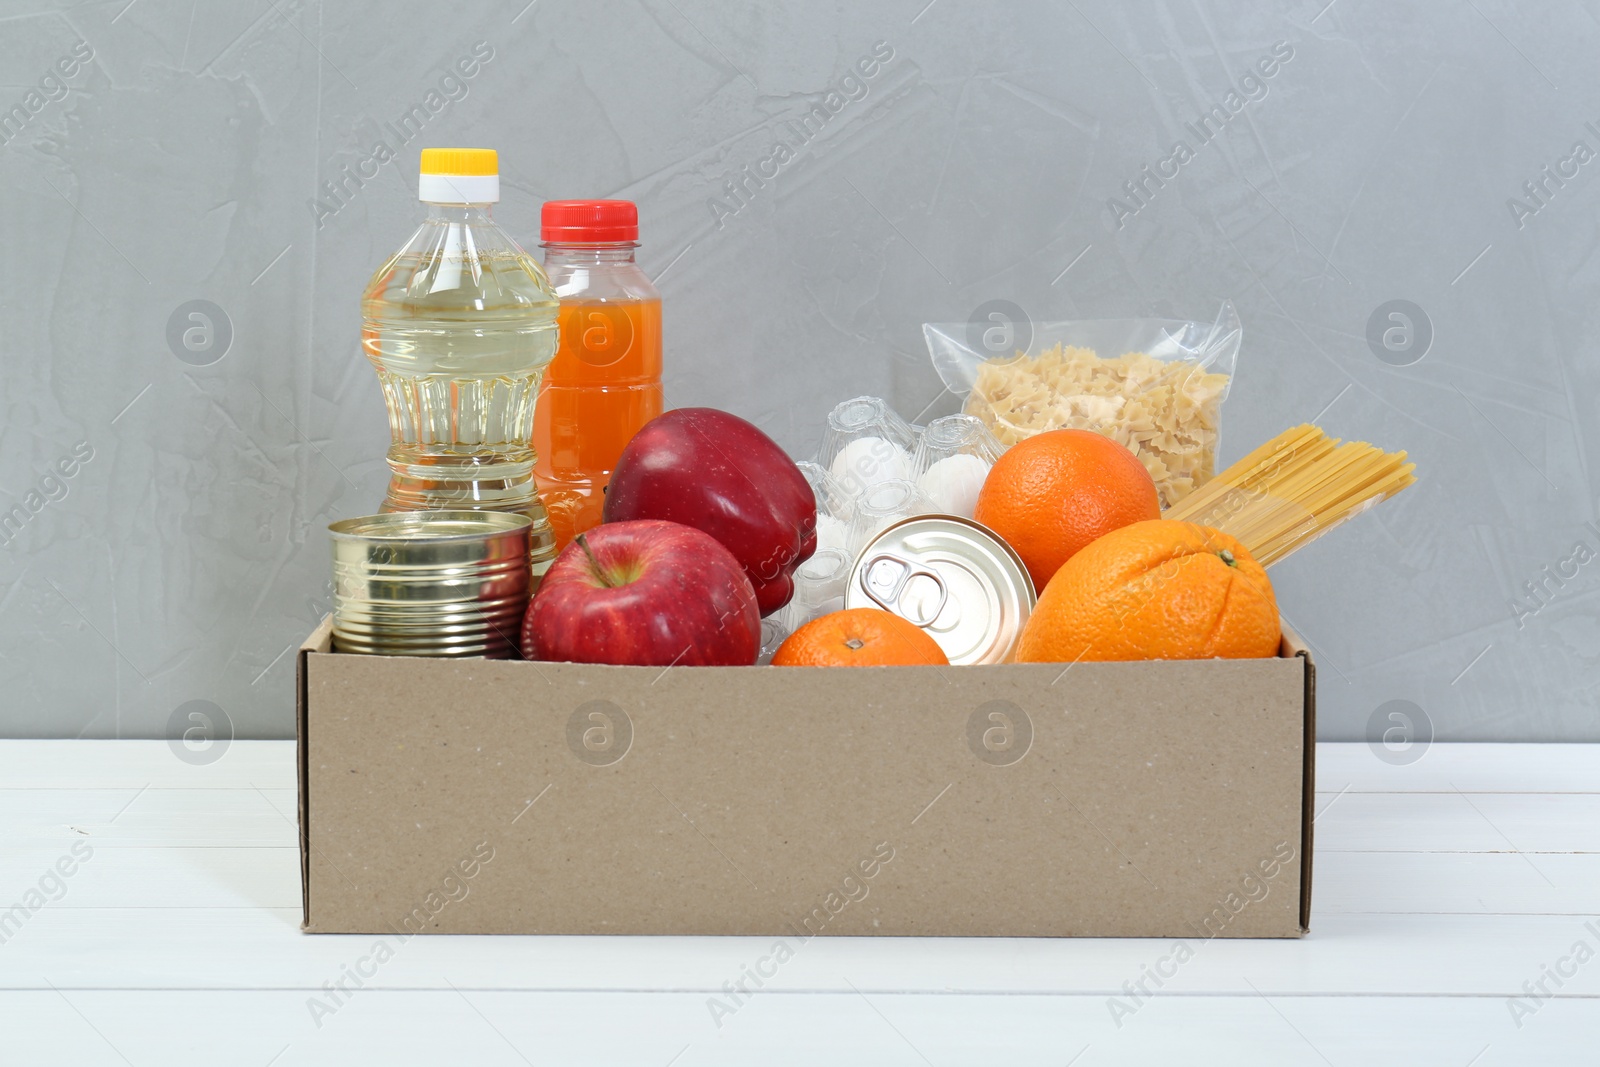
<point x="461" y="324"/>
<point x="605" y="382"/>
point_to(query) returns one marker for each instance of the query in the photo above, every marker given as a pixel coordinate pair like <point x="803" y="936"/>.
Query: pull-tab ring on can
<point x="984" y="596"/>
<point x="884" y="578"/>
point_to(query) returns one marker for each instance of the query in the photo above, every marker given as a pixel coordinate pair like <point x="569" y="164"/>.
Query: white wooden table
<point x="1444" y="889"/>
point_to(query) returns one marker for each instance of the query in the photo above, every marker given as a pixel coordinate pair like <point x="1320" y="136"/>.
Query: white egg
<point x="953" y="483"/>
<point x="867" y="461"/>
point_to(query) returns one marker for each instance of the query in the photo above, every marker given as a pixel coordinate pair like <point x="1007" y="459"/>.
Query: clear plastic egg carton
<point x="932" y="470"/>
<point x="873" y="470"/>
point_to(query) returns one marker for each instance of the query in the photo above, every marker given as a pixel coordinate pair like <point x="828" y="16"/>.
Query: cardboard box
<point x="1169" y="799"/>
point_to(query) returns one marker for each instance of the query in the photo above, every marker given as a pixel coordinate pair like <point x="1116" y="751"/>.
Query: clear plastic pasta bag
<point x="1153" y="385"/>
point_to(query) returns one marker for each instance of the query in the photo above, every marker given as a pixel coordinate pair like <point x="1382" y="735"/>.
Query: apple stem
<point x="594" y="563"/>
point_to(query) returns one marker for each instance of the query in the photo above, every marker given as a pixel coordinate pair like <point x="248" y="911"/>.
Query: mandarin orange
<point x="1052" y="494"/>
<point x="860" y="637"/>
<point x="1160" y="589"/>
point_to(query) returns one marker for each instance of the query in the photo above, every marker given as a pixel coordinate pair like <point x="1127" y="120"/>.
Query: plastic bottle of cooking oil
<point x="460" y="324"/>
<point x="605" y="382"/>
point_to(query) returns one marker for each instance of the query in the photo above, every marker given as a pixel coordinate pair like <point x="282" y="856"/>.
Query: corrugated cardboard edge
<point x="1294" y="645"/>
<point x="321" y="640"/>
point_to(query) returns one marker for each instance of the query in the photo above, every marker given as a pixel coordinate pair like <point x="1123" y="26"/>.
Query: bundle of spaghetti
<point x="1294" y="489"/>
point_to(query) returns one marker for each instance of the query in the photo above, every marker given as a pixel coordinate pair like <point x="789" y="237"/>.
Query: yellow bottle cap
<point x="459" y="176"/>
<point x="465" y="161"/>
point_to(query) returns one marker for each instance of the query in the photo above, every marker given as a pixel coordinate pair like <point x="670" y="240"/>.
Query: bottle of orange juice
<point x="605" y="381"/>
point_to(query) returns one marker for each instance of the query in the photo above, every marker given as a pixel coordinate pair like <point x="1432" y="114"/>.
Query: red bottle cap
<point x="588" y="221"/>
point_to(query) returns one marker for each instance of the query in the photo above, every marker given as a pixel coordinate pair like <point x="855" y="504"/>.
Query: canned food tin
<point x="430" y="583"/>
<point x="951" y="576"/>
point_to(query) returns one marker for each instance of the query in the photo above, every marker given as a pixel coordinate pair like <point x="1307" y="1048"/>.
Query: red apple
<point x="716" y="472"/>
<point x="647" y="593"/>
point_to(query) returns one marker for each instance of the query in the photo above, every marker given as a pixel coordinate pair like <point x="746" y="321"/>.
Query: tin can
<point x="431" y="583"/>
<point x="953" y="577"/>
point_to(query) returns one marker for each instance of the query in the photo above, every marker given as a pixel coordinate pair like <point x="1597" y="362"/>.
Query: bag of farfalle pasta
<point x="1153" y="385"/>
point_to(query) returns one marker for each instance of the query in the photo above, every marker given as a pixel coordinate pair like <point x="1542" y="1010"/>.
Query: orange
<point x="1052" y="494"/>
<point x="1161" y="589"/>
<point x="860" y="637"/>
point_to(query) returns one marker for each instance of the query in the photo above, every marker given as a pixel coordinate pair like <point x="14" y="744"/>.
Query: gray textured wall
<point x="184" y="158"/>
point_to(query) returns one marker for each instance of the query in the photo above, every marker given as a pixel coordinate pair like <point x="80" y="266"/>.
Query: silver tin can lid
<point x="953" y="577"/>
